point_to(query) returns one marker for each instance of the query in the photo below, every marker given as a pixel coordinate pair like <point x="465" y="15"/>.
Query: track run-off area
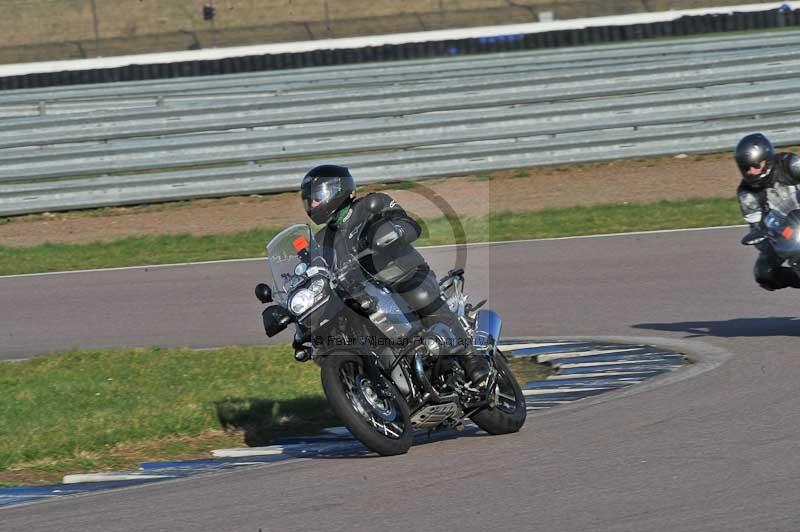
<point x="709" y="447"/>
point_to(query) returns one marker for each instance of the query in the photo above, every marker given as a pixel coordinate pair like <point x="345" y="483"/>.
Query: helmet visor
<point x="756" y="170"/>
<point x="320" y="194"/>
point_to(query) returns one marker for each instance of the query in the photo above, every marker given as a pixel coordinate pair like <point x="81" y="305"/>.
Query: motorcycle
<point x="783" y="234"/>
<point x="384" y="374"/>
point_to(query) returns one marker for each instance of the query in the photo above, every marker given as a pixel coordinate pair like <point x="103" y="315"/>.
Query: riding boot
<point x="421" y="292"/>
<point x="477" y="368"/>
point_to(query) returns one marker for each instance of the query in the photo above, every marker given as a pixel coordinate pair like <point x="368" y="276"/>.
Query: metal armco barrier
<point x="149" y="141"/>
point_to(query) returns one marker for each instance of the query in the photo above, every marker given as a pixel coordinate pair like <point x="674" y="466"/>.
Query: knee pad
<point x="764" y="273"/>
<point x="421" y="292"/>
<point x="762" y="269"/>
<point x="424" y="297"/>
<point x="766" y="285"/>
<point x="777" y="278"/>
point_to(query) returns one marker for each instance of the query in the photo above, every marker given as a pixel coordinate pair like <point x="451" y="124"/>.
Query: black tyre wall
<point x="689" y="25"/>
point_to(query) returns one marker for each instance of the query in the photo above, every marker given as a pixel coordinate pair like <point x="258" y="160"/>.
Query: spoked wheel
<point x="381" y="421"/>
<point x="509" y="413"/>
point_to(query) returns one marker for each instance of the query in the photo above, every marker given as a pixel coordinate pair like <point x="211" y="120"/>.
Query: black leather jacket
<point x="781" y="194"/>
<point x="365" y="221"/>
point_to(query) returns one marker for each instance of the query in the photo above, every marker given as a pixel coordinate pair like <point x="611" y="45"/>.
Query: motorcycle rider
<point x="769" y="181"/>
<point x="376" y="221"/>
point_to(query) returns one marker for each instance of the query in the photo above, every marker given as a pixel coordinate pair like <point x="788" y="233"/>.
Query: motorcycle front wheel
<point x="509" y="413"/>
<point x="380" y="420"/>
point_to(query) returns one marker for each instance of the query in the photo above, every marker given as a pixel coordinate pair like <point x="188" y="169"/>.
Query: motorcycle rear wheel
<point x="510" y="413"/>
<point x="382" y="424"/>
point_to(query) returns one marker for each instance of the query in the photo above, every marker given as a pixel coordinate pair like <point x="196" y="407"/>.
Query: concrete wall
<point x="36" y="30"/>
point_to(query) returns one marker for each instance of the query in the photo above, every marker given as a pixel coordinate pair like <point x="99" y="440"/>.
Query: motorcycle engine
<point x="434" y="415"/>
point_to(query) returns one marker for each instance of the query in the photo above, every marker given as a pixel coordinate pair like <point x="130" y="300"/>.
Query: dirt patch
<point x="639" y="180"/>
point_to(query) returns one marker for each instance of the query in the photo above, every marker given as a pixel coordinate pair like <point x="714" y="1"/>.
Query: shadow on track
<point x="735" y="328"/>
<point x="350" y="448"/>
<point x="300" y="421"/>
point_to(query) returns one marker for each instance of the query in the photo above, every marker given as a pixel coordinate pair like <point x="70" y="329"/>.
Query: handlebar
<point x="451" y="275"/>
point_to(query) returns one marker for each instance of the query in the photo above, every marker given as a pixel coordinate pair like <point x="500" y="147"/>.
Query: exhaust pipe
<point x="430" y="392"/>
<point x="487" y="331"/>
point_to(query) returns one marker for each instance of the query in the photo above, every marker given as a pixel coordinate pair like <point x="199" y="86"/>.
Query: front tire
<point x="510" y="412"/>
<point x="383" y="425"/>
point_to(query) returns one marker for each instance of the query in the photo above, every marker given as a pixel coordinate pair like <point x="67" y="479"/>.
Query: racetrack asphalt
<point x="715" y="451"/>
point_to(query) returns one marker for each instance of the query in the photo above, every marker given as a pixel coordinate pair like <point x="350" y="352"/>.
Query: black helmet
<point x="330" y="187"/>
<point x="751" y="152"/>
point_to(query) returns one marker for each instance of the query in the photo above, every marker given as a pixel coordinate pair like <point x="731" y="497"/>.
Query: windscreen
<point x="290" y="248"/>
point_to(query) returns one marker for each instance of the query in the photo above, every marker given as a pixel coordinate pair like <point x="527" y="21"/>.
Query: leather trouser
<point x="421" y="292"/>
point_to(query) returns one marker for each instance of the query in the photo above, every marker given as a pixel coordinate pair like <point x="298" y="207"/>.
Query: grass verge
<point x="95" y="410"/>
<point x="103" y="410"/>
<point x="594" y="220"/>
<point x="526" y="369"/>
<point x="166" y="249"/>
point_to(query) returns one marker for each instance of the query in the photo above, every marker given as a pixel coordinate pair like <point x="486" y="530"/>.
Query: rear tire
<point x="504" y="418"/>
<point x="383" y="425"/>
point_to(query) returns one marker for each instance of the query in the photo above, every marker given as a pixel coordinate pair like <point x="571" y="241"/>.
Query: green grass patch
<point x="166" y="249"/>
<point x="526" y="369"/>
<point x="98" y="409"/>
<point x="132" y="251"/>
<point x="600" y="219"/>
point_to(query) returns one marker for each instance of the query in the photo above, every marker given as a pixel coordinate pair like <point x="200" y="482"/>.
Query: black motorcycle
<point x="783" y="234"/>
<point x="383" y="373"/>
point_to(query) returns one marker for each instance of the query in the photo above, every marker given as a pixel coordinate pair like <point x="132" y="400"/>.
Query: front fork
<point x="376" y="375"/>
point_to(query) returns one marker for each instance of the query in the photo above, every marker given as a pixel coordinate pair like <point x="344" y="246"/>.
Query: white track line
<point x="248" y="451"/>
<point x="516" y="347"/>
<point x="582" y="237"/>
<point x="469" y="244"/>
<point x="564" y="389"/>
<point x="609" y="374"/>
<point x="612" y="363"/>
<point x="123" y="268"/>
<point x="547" y="357"/>
<point x="109" y="477"/>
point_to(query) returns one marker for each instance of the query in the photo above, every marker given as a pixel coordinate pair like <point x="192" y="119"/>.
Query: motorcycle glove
<point x="387" y="234"/>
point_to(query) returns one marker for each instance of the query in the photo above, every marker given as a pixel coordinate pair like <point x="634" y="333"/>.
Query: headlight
<point x="316" y="286"/>
<point x="302" y="301"/>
